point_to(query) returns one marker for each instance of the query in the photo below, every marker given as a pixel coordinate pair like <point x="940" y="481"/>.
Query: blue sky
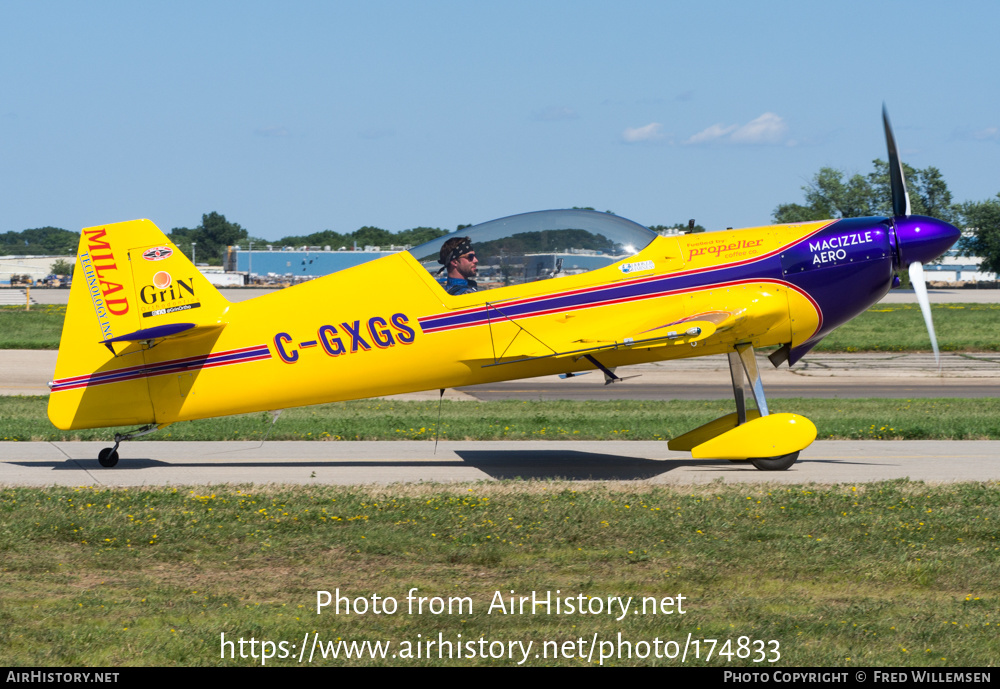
<point x="297" y="117"/>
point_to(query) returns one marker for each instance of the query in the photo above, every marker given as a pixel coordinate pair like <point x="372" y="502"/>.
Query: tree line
<point x="41" y="241"/>
<point x="215" y="233"/>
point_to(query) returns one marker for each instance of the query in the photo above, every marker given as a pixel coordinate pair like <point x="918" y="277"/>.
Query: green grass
<point x="900" y="328"/>
<point x="886" y="574"/>
<point x="39" y="328"/>
<point x="24" y="419"/>
<point x="888" y="327"/>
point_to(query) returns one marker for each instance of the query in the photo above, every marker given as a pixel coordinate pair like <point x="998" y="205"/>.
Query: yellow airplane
<point x="148" y="341"/>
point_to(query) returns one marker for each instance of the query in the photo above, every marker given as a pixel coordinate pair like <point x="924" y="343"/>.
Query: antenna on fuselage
<point x="275" y="413"/>
<point x="437" y="428"/>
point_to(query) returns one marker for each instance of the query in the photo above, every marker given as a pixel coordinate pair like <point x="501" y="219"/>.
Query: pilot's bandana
<point x="463" y="247"/>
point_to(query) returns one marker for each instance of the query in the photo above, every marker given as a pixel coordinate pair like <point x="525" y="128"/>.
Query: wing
<point x="744" y="318"/>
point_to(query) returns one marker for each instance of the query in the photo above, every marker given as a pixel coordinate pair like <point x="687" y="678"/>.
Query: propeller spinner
<point x="918" y="238"/>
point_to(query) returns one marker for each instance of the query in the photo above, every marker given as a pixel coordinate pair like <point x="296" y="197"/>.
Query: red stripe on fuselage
<point x="159" y="369"/>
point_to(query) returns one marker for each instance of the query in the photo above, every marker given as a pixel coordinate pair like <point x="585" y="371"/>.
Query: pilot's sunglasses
<point x="469" y="256"/>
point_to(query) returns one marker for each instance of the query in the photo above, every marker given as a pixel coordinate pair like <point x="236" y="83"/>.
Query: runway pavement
<point x="159" y="463"/>
<point x="886" y="375"/>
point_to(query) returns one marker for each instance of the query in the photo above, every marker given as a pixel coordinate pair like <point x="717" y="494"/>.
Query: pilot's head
<point x="459" y="258"/>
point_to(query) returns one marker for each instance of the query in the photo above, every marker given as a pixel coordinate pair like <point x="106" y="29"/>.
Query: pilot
<point x="460" y="260"/>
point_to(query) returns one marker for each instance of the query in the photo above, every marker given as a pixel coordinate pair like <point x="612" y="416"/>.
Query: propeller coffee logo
<point x="722" y="248"/>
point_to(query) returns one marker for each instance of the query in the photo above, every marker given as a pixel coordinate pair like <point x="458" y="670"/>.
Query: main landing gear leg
<point x="739" y="392"/>
<point x="108" y="457"/>
<point x="743" y="361"/>
<point x="740" y="361"/>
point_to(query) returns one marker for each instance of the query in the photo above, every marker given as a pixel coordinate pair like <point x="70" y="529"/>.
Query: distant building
<point x="538" y="266"/>
<point x="953" y="267"/>
<point x="35" y="267"/>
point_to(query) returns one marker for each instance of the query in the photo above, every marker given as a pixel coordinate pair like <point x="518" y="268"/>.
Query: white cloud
<point x="766" y="129"/>
<point x="651" y="132"/>
<point x="716" y="131"/>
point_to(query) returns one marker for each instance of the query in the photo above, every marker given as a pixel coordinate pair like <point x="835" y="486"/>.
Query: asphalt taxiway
<point x="160" y="463"/>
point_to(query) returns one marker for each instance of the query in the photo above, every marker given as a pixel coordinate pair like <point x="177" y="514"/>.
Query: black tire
<point x="108" y="457"/>
<point x="779" y="463"/>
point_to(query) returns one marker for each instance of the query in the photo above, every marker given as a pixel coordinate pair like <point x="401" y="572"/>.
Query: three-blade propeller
<point x="901" y="209"/>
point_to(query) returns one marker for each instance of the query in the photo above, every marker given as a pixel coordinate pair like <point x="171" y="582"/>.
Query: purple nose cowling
<point x="919" y="238"/>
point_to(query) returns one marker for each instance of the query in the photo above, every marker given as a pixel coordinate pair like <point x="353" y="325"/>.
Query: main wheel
<point x="108" y="457"/>
<point x="779" y="463"/>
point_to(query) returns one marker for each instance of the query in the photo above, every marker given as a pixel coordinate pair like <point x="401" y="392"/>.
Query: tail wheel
<point x="108" y="457"/>
<point x="779" y="463"/>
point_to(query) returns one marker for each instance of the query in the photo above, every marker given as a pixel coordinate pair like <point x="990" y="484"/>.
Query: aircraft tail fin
<point x="131" y="286"/>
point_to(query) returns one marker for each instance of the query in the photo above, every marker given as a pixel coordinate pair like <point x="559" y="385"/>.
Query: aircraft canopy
<point x="543" y="245"/>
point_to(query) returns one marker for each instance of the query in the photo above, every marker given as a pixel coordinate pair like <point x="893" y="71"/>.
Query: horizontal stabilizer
<point x="163" y="331"/>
